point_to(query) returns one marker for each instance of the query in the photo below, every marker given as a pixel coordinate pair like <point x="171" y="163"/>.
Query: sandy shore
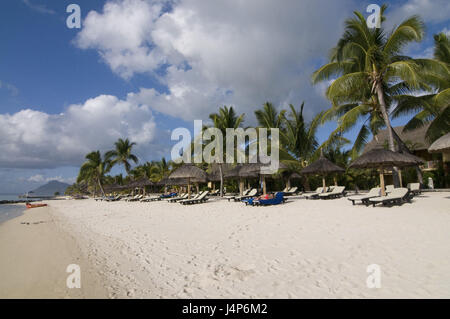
<point x="220" y="249"/>
<point x="34" y="255"/>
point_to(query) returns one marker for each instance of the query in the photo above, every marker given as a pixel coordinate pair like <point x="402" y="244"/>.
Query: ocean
<point x="8" y="211"/>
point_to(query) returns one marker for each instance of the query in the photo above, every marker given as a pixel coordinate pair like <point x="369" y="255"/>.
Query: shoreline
<point x="35" y="251"/>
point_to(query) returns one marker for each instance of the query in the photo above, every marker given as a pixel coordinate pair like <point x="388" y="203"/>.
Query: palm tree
<point x="431" y="108"/>
<point x="368" y="68"/>
<point x="299" y="137"/>
<point x="122" y="154"/>
<point x="269" y="117"/>
<point x="94" y="169"/>
<point x="225" y="118"/>
<point x="160" y="169"/>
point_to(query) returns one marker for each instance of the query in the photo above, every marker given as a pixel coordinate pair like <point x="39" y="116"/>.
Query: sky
<point x="141" y="68"/>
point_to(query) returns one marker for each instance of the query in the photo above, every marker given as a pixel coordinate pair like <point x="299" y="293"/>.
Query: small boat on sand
<point x="29" y="205"/>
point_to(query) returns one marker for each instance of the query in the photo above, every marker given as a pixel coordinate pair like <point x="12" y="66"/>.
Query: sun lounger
<point x="397" y="196"/>
<point x="200" y="199"/>
<point x="291" y="191"/>
<point x="176" y="199"/>
<point x="364" y="198"/>
<point x="414" y="188"/>
<point x="336" y="192"/>
<point x="114" y="198"/>
<point x="278" y="199"/>
<point x="389" y="188"/>
<point x="190" y="200"/>
<point x="245" y="192"/>
<point x="215" y="192"/>
<point x="251" y="194"/>
<point x="135" y="198"/>
<point x="151" y="198"/>
<point x="319" y="190"/>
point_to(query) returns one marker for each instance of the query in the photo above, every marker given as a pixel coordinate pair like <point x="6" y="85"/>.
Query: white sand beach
<point x="221" y="249"/>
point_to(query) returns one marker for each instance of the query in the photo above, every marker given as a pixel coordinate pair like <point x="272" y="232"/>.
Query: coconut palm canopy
<point x="322" y="166"/>
<point x="378" y="158"/>
<point x="190" y="172"/>
<point x="441" y="144"/>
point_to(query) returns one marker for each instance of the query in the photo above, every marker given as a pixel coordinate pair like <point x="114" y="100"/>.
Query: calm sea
<point x="8" y="211"/>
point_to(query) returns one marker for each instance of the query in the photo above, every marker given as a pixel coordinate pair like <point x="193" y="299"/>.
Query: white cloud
<point x="35" y="139"/>
<point x="41" y="8"/>
<point x="446" y="32"/>
<point x="432" y="11"/>
<point x="13" y="91"/>
<point x="38" y="178"/>
<point x="217" y="52"/>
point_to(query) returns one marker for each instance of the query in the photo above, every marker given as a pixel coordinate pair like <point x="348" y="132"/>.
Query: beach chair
<point x="276" y="200"/>
<point x="389" y="188"/>
<point x="200" y="199"/>
<point x="397" y="196"/>
<point x="250" y="194"/>
<point x="414" y="188"/>
<point x="245" y="192"/>
<point x="291" y="191"/>
<point x="319" y="190"/>
<point x="184" y="201"/>
<point x="336" y="192"/>
<point x="136" y="198"/>
<point x="151" y="198"/>
<point x="171" y="195"/>
<point x="176" y="199"/>
<point x="112" y="198"/>
<point x="364" y="198"/>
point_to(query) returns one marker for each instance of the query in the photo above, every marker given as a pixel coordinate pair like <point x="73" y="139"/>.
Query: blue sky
<point x="141" y="68"/>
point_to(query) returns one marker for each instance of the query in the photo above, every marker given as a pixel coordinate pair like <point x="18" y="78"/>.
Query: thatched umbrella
<point x="261" y="170"/>
<point x="234" y="172"/>
<point x="294" y="175"/>
<point x="191" y="173"/>
<point x="322" y="166"/>
<point x="441" y="145"/>
<point x="382" y="158"/>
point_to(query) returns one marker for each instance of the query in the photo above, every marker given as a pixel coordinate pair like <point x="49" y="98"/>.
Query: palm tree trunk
<point x="101" y="187"/>
<point x="389" y="129"/>
<point x="221" y="179"/>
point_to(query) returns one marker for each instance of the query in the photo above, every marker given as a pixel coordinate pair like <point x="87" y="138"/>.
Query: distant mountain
<point x="50" y="189"/>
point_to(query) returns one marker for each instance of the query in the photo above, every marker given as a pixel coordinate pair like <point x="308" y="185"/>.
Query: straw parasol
<point x="322" y="166"/>
<point x="382" y="158"/>
<point x="259" y="169"/>
<point x="190" y="172"/>
<point x="441" y="145"/>
<point x="294" y="175"/>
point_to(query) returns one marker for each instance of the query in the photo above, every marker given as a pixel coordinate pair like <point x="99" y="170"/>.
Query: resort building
<point x="416" y="142"/>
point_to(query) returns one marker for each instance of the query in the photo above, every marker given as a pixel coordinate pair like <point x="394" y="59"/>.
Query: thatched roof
<point x="258" y="168"/>
<point x="415" y="140"/>
<point x="294" y="176"/>
<point x="214" y="175"/>
<point x="141" y="183"/>
<point x="441" y="144"/>
<point x="113" y="187"/>
<point x="189" y="171"/>
<point x="233" y="172"/>
<point x="250" y="170"/>
<point x="322" y="166"/>
<point x="377" y="158"/>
